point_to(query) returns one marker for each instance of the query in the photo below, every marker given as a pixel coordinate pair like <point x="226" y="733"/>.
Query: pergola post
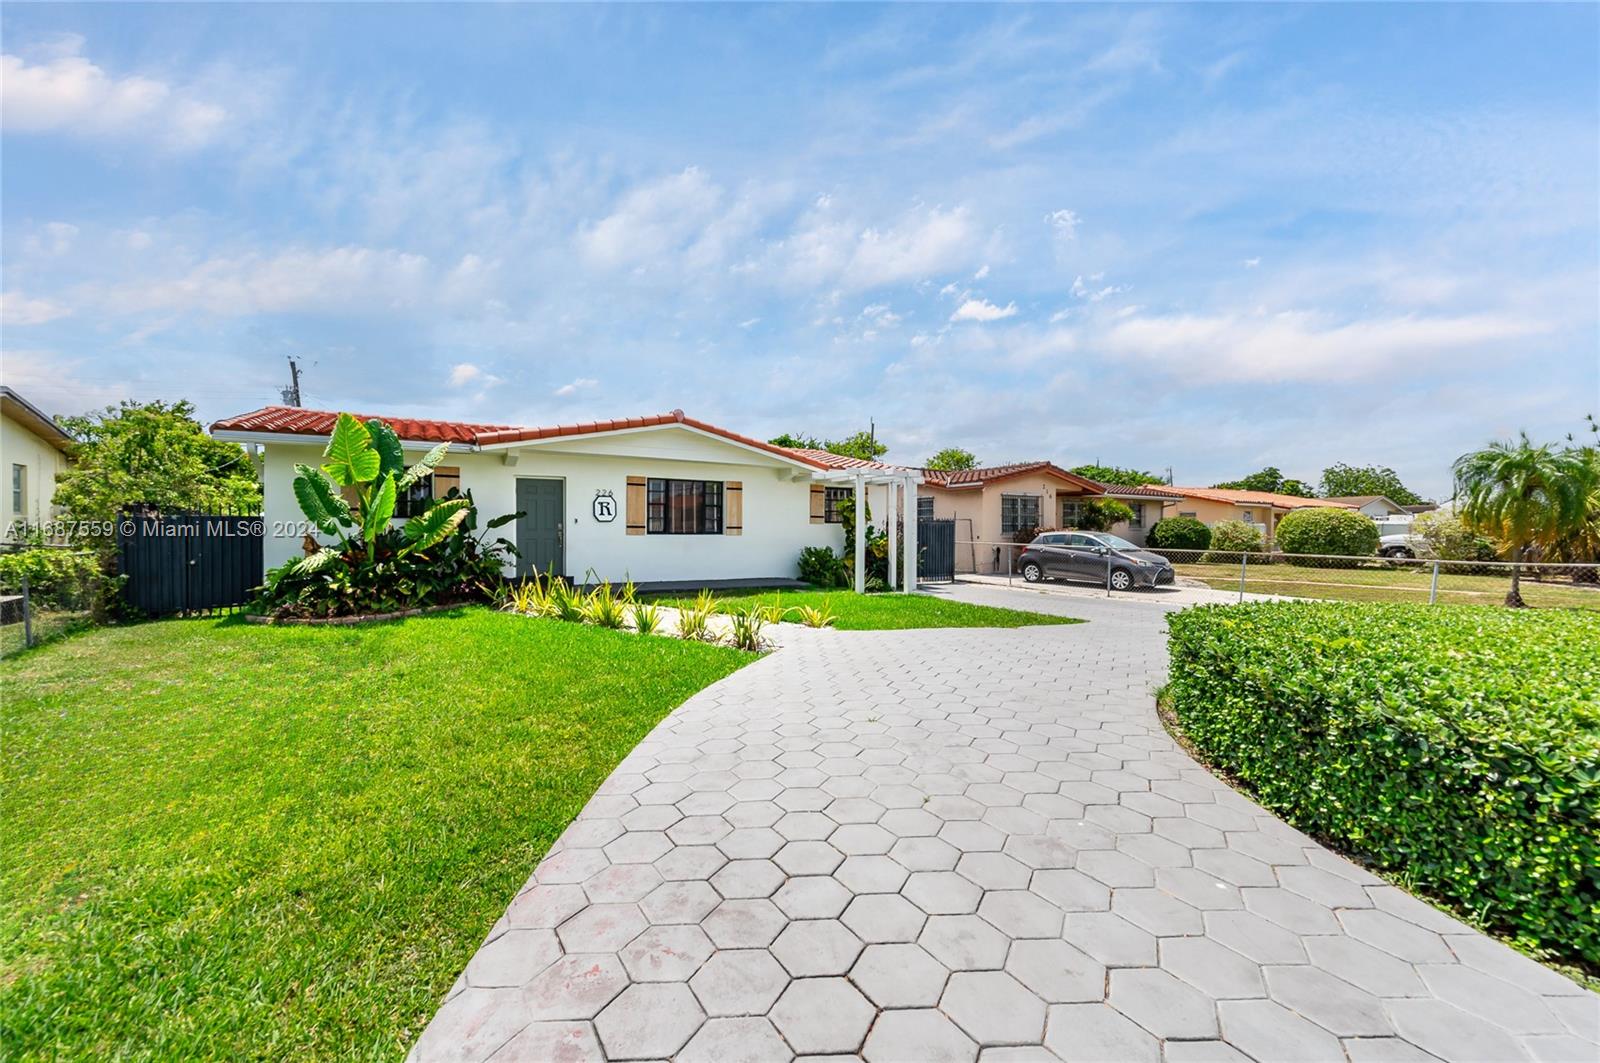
<point x="861" y="533"/>
<point x="892" y="489"/>
<point x="911" y="535"/>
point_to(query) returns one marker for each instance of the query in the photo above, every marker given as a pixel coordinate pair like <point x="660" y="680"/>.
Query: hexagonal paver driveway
<point x="934" y="844"/>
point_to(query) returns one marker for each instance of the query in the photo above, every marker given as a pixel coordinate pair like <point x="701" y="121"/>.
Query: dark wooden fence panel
<point x="180" y="563"/>
<point x="936" y="542"/>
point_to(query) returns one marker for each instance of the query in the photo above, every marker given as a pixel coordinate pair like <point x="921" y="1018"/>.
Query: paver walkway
<point x="951" y="845"/>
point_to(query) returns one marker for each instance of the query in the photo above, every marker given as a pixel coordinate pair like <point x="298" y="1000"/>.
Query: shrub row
<point x="1459" y="747"/>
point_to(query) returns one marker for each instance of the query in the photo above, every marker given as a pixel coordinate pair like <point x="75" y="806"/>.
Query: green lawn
<point x="231" y="841"/>
<point x="882" y="612"/>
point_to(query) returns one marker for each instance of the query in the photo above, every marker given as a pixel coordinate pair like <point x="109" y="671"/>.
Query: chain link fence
<point x="47" y="591"/>
<point x="1426" y="581"/>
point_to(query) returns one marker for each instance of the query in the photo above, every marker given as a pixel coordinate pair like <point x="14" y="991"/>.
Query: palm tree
<point x="1523" y="494"/>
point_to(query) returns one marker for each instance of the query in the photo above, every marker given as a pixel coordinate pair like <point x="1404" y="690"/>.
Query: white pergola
<point x="901" y="488"/>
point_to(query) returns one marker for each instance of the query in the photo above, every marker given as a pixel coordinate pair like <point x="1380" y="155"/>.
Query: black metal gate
<point x="936" y="542"/>
<point x="177" y="563"/>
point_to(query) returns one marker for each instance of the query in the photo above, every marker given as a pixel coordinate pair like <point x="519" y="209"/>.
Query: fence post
<point x="27" y="615"/>
<point x="1108" y="573"/>
<point x="1433" y="586"/>
<point x="1244" y="560"/>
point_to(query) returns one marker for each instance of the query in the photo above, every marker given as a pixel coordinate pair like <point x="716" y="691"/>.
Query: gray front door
<point x="541" y="533"/>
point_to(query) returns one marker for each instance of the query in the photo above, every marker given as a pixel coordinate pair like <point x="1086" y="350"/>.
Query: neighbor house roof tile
<point x="1230" y="496"/>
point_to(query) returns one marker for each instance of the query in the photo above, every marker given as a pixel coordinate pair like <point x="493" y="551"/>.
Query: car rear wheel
<point x="1121" y="579"/>
<point x="1032" y="571"/>
<point x="1398" y="551"/>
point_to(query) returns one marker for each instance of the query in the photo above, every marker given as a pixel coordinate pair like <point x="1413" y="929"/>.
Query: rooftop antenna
<point x="291" y="394"/>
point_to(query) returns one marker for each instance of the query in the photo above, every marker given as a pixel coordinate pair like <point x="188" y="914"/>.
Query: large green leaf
<point x="392" y="460"/>
<point x="425" y="466"/>
<point x="320" y="500"/>
<point x="350" y="457"/>
<point x="317" y="562"/>
<point x="379" y="511"/>
<point x="434" y="526"/>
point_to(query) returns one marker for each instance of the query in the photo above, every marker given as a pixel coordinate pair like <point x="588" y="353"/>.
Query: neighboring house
<point x="1147" y="502"/>
<point x="1210" y="505"/>
<point x="33" y="450"/>
<point x="654" y="499"/>
<point x="1377" y="507"/>
<point x="991" y="505"/>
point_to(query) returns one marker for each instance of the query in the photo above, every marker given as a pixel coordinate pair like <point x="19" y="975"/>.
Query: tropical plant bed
<point x="367" y="618"/>
<point x="1456" y="749"/>
<point x="227" y="841"/>
<point x="880" y="612"/>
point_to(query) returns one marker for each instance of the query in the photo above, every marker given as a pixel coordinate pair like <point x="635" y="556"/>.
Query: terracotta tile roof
<point x="841" y="461"/>
<point x="954" y="478"/>
<point x="1231" y="496"/>
<point x="293" y="420"/>
<point x="1142" y="491"/>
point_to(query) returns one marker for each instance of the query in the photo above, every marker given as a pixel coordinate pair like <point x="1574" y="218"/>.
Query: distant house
<point x="1375" y="506"/>
<point x="34" y="449"/>
<point x="1211" y="505"/>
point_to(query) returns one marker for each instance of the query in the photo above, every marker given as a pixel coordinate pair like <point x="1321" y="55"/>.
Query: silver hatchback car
<point x="1086" y="556"/>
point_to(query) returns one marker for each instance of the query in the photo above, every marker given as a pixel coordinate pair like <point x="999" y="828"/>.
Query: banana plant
<point x="368" y="458"/>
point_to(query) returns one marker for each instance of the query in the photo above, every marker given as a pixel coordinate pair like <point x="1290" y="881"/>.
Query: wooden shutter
<point x="638" y="510"/>
<point x="819" y="504"/>
<point x="733" y="508"/>
<point x="446" y="477"/>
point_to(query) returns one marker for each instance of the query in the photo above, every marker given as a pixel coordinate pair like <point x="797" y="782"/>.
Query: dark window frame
<point x="831" y="497"/>
<point x="925" y="507"/>
<point x="683" y="507"/>
<point x="1013" y="515"/>
<point x="414" y="500"/>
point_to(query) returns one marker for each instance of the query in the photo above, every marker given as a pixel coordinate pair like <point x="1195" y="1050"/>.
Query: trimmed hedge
<point x="1178" y="533"/>
<point x="1457" y="746"/>
<point x="1328" y="531"/>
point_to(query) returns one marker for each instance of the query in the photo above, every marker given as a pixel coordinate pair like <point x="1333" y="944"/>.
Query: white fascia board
<point x="556" y="441"/>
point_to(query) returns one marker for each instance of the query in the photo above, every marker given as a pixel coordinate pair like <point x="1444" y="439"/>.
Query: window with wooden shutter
<point x="446" y="478"/>
<point x="819" y="504"/>
<point x="637" y="507"/>
<point x="733" y="508"/>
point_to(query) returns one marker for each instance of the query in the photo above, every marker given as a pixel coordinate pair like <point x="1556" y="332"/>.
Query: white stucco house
<point x="657" y="499"/>
<point x="33" y="450"/>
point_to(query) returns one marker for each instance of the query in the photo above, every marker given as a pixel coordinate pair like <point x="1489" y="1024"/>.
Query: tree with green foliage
<point x="1525" y="494"/>
<point x="1346" y="481"/>
<point x="1271" y="480"/>
<point x="794" y="442"/>
<point x="1114" y="474"/>
<point x="1100" y="514"/>
<point x="863" y="445"/>
<point x="149" y="454"/>
<point x="952" y="458"/>
<point x="1323" y="530"/>
<point x="1178" y="533"/>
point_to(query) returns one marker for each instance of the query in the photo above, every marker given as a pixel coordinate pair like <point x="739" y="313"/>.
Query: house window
<point x="19" y="490"/>
<point x="1249" y="516"/>
<point x="1138" y="514"/>
<point x="1186" y="513"/>
<point x="415" y="500"/>
<point x="1071" y="513"/>
<point x="831" y="497"/>
<point x="1018" y="512"/>
<point x="684" y="507"/>
<point x="925" y="507"/>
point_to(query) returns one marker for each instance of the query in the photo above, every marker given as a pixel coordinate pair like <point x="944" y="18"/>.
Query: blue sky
<point x="1209" y="237"/>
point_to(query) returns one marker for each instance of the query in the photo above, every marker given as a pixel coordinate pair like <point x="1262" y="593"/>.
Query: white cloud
<point x="983" y="272"/>
<point x="339" y="280"/>
<point x="1304" y="345"/>
<point x="880" y="315"/>
<point x="464" y="373"/>
<point x="1064" y="222"/>
<point x="1252" y="263"/>
<point x="982" y="310"/>
<point x="750" y="322"/>
<point x="66" y="93"/>
<point x="580" y="384"/>
<point x="827" y="250"/>
<point x="18" y="309"/>
<point x="53" y="239"/>
<point x="1084" y="288"/>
